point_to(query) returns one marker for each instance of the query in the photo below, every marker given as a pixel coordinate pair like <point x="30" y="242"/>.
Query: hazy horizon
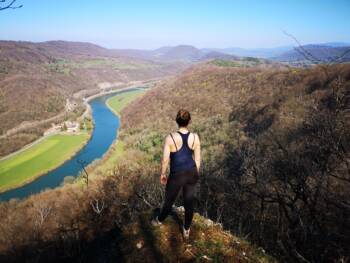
<point x="203" y="24"/>
<point x="181" y="44"/>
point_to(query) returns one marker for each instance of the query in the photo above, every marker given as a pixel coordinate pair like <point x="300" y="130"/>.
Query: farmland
<point x="35" y="161"/>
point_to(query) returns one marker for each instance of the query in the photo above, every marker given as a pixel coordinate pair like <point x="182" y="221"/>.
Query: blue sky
<point x="203" y="23"/>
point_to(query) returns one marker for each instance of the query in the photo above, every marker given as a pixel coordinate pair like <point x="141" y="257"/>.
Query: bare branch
<point x="342" y="55"/>
<point x="310" y="57"/>
<point x="97" y="206"/>
<point x="43" y="211"/>
<point x="82" y="163"/>
<point x="306" y="54"/>
<point x="9" y="5"/>
<point x="144" y="200"/>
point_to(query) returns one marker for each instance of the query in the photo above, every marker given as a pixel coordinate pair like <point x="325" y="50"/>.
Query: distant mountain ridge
<point x="274" y="52"/>
<point x="190" y="53"/>
<point x="42" y="51"/>
<point x="253" y="52"/>
<point x="186" y="53"/>
<point x="316" y="53"/>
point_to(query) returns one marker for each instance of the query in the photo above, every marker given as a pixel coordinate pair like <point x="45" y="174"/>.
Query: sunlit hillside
<point x="269" y="139"/>
<point x="175" y="131"/>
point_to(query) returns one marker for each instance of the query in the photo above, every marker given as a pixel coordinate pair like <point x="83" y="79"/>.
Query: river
<point x="106" y="124"/>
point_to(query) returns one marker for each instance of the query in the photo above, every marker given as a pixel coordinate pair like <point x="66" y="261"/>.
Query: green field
<point x="119" y="101"/>
<point x="42" y="157"/>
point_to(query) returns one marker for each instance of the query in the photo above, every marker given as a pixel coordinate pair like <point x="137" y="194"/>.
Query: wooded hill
<point x="275" y="152"/>
<point x="275" y="146"/>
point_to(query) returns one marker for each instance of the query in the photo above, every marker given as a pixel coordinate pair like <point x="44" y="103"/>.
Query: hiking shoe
<point x="185" y="233"/>
<point x="155" y="221"/>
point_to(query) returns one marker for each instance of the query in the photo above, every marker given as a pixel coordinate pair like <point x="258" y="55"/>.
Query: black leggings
<point x="187" y="181"/>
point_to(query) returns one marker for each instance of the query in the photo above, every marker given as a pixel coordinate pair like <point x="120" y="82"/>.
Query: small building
<point x="72" y="126"/>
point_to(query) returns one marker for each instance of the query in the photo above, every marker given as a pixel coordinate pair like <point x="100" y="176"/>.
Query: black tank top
<point x="182" y="159"/>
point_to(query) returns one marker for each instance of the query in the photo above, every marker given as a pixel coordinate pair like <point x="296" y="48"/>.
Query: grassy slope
<point x="37" y="160"/>
<point x="118" y="102"/>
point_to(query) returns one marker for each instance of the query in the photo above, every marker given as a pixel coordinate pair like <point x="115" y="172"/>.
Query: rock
<point x="208" y="222"/>
<point x="139" y="244"/>
<point x="207" y="258"/>
<point x="179" y="209"/>
<point x="219" y="225"/>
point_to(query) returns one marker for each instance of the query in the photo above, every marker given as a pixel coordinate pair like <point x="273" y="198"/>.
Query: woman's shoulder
<point x="171" y="136"/>
<point x="196" y="140"/>
<point x="195" y="135"/>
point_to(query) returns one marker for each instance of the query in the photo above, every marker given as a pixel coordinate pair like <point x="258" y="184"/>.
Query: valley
<point x="274" y="138"/>
<point x="41" y="77"/>
<point x="58" y="156"/>
<point x="175" y="131"/>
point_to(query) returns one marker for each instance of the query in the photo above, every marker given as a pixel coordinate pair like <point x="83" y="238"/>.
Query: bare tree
<point x="83" y="163"/>
<point x="4" y="4"/>
<point x="43" y="210"/>
<point x="97" y="205"/>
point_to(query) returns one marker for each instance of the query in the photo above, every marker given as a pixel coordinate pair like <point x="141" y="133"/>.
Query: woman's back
<point x="178" y="141"/>
<point x="182" y="158"/>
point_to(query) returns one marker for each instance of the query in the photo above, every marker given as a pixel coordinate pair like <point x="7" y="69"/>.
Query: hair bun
<point x="183" y="117"/>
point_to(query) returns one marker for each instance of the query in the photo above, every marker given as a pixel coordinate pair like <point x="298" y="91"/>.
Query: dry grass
<point x="207" y="243"/>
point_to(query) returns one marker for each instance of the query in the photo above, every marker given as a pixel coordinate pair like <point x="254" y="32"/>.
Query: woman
<point x="182" y="148"/>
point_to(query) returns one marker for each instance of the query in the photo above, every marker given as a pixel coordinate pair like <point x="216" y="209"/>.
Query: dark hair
<point x="183" y="117"/>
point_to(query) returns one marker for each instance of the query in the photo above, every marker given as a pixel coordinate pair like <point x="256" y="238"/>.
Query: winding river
<point x="106" y="124"/>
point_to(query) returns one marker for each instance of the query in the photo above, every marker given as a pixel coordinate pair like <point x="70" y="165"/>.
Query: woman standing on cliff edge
<point x="182" y="148"/>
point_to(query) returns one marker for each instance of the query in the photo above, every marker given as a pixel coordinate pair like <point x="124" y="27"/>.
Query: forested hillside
<point x="275" y="170"/>
<point x="276" y="152"/>
<point x="36" y="79"/>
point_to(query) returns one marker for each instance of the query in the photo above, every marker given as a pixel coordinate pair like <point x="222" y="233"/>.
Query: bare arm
<point x="166" y="155"/>
<point x="197" y="151"/>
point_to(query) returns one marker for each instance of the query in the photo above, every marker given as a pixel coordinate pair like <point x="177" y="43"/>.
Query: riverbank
<point x="116" y="104"/>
